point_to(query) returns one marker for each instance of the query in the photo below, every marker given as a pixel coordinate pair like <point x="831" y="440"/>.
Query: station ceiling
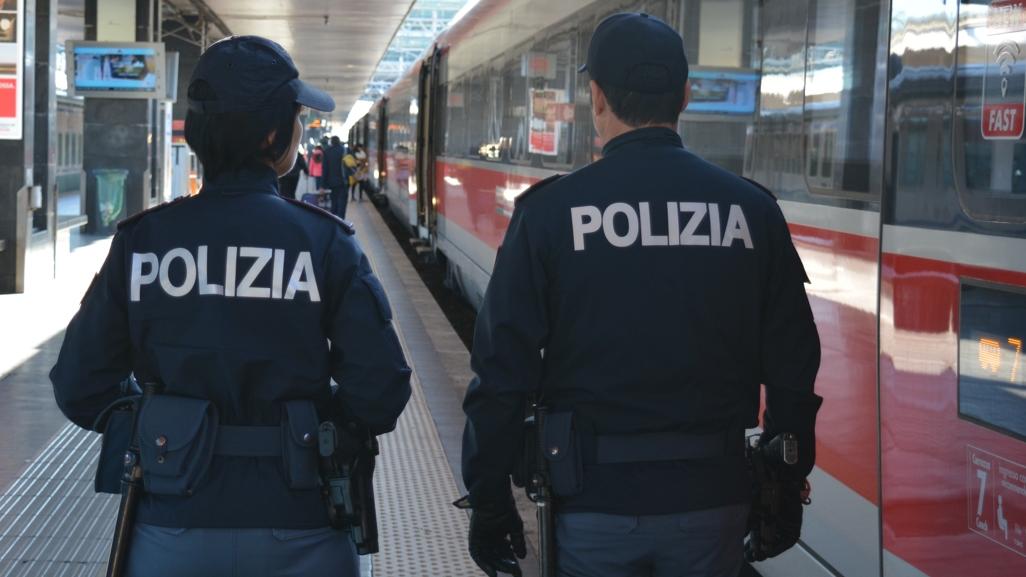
<point x="336" y="44"/>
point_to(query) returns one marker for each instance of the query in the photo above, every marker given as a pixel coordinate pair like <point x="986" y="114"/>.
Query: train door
<point x="428" y="112"/>
<point x="953" y="292"/>
<point x="817" y="142"/>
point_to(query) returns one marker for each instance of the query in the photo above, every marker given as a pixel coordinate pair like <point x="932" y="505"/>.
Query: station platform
<point x="52" y="524"/>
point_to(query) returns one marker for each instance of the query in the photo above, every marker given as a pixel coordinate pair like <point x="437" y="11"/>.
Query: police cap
<point x="248" y="73"/>
<point x="637" y="52"/>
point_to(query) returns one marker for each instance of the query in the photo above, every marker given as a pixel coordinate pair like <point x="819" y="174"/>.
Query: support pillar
<point x="118" y="133"/>
<point x="16" y="173"/>
<point x="45" y="130"/>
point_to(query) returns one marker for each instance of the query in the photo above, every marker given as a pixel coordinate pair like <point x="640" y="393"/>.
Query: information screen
<point x="723" y="91"/>
<point x="992" y="362"/>
<point x="117" y="69"/>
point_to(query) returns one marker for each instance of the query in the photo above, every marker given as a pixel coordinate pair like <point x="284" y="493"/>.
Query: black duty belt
<point x="667" y="446"/>
<point x="247" y="441"/>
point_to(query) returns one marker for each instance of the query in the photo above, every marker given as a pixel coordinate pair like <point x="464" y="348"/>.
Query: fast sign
<point x="1004" y="84"/>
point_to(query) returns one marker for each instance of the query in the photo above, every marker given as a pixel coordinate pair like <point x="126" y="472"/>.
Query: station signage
<point x="1004" y="83"/>
<point x="12" y="65"/>
<point x="997" y="499"/>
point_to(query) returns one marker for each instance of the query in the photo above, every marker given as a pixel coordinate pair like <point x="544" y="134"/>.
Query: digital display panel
<point x="109" y="69"/>
<point x="723" y="91"/>
<point x="991" y="363"/>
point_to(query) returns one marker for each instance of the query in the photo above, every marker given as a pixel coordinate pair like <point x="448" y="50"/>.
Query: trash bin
<point x="107" y="206"/>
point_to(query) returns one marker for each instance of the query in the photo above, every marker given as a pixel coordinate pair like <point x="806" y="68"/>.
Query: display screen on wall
<point x="11" y="68"/>
<point x="991" y="363"/>
<point x="723" y="91"/>
<point x="118" y="70"/>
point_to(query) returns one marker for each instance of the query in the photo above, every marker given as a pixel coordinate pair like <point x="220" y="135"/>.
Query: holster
<point x="115" y="423"/>
<point x="347" y="456"/>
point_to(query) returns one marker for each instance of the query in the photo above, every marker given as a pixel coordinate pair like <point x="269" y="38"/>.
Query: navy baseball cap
<point x="637" y="52"/>
<point x="249" y="73"/>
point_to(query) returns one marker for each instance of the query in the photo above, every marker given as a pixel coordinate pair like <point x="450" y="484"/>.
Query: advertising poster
<point x="545" y="120"/>
<point x="11" y="67"/>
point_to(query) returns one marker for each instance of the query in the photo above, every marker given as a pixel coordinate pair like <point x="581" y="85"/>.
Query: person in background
<point x="288" y="184"/>
<point x="316" y="165"/>
<point x="352" y="165"/>
<point x="362" y="169"/>
<point x="335" y="178"/>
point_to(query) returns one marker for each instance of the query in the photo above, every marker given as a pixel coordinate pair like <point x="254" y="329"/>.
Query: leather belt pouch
<point x="299" y="444"/>
<point x="115" y="422"/>
<point x="563" y="453"/>
<point x="177" y="436"/>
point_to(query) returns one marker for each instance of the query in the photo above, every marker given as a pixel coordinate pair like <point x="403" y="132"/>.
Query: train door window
<point x="990" y="98"/>
<point x="721" y="44"/>
<point x="841" y="98"/>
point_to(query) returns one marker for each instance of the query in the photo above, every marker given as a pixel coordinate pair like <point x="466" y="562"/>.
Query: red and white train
<point x="892" y="132"/>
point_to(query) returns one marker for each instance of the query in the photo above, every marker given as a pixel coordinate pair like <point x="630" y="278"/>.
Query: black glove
<point x="496" y="535"/>
<point x="775" y="523"/>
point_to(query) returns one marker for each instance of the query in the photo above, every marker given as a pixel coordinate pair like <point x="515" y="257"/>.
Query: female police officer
<point x="242" y="306"/>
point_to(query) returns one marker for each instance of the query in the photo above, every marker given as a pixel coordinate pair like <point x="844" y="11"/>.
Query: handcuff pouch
<point x="177" y="436"/>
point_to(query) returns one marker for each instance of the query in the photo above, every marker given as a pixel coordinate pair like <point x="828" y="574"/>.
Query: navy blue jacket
<point x="334" y="171"/>
<point x="243" y="298"/>
<point x="650" y="291"/>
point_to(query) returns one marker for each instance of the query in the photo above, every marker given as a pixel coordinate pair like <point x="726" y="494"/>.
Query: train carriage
<point x="892" y="133"/>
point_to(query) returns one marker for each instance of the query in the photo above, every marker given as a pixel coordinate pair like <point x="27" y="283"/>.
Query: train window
<point x="840" y="97"/>
<point x="990" y="158"/>
<point x="722" y="47"/>
<point x="552" y="79"/>
<point x="455" y="140"/>
<point x="991" y="363"/>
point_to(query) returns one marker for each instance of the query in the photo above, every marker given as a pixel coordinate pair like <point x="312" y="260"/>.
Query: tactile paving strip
<point x="421" y="533"/>
<point x="52" y="524"/>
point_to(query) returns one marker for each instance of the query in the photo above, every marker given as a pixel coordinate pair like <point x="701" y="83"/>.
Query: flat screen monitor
<point x="723" y="91"/>
<point x="117" y="69"/>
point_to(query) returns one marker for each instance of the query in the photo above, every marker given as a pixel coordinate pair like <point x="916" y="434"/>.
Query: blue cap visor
<point x="312" y="97"/>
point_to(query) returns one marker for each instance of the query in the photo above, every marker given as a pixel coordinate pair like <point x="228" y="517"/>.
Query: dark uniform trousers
<point x="705" y="543"/>
<point x="176" y="552"/>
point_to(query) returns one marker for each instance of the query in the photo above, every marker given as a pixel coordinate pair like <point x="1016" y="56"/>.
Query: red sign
<point x="1003" y="121"/>
<point x="997" y="499"/>
<point x="8" y="97"/>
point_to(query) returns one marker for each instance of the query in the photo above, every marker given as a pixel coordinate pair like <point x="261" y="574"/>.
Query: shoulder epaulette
<point x="537" y="186"/>
<point x="761" y="187"/>
<point x="345" y="224"/>
<point x="139" y="215"/>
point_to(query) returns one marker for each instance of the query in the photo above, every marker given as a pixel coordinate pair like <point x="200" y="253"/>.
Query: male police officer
<point x="644" y="313"/>
<point x="242" y="305"/>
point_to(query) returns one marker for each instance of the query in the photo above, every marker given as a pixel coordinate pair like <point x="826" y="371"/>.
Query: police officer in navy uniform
<point x="643" y="313"/>
<point x="243" y="305"/>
